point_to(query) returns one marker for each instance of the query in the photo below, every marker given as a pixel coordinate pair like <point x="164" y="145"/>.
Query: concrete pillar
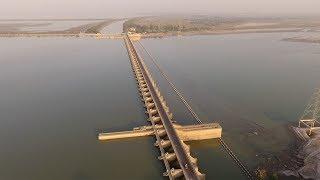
<point x="186" y="147"/>
<point x="168" y="156"/>
<point x="149" y="99"/>
<point x="175" y="173"/>
<point x="157" y="91"/>
<point x="154" y="85"/>
<point x="192" y="159"/>
<point x="166" y="108"/>
<point x="156" y="119"/>
<point x="163" y="143"/>
<point x="170" y="116"/>
<point x="153" y="112"/>
<point x="150" y="105"/>
<point x="161" y="133"/>
<point x="161" y="98"/>
<point x="144" y="89"/>
<point x="201" y="176"/>
<point x="146" y="96"/>
<point x="143" y="85"/>
<point x="164" y="103"/>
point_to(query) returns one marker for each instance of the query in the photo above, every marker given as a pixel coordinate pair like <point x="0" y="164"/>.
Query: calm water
<point x="43" y="26"/>
<point x="253" y="84"/>
<point x="114" y="28"/>
<point x="57" y="93"/>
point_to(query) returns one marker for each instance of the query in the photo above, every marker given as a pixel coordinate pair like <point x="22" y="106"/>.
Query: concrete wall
<point x="199" y="132"/>
<point x="186" y="133"/>
<point x="125" y="134"/>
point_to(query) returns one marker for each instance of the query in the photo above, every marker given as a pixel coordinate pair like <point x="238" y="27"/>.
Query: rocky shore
<point x="307" y="155"/>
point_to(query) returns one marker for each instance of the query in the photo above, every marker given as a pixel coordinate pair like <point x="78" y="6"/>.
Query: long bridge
<point x="170" y="136"/>
<point x="172" y="148"/>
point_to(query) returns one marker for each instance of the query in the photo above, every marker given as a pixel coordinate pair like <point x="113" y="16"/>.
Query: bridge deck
<point x="188" y="168"/>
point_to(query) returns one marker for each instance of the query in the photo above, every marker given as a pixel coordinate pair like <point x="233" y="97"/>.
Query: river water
<point x="44" y="26"/>
<point x="113" y="28"/>
<point x="58" y="93"/>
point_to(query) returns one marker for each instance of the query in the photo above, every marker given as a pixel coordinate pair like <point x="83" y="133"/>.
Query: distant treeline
<point x="163" y="24"/>
<point x="160" y="28"/>
<point x="150" y="26"/>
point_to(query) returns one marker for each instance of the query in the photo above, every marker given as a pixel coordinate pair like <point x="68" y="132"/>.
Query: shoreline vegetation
<point x="163" y="26"/>
<point x="218" y="32"/>
<point x="166" y="26"/>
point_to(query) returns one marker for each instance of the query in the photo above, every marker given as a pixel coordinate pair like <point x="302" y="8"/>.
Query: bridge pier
<point x="185" y="133"/>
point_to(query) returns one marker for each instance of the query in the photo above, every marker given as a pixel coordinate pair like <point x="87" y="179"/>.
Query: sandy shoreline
<point x="303" y="40"/>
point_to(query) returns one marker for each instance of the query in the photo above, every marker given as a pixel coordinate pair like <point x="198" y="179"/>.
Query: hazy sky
<point x="118" y="8"/>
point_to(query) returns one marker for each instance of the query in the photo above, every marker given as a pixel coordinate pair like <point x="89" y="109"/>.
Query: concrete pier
<point x="199" y="131"/>
<point x="137" y="132"/>
<point x="185" y="133"/>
